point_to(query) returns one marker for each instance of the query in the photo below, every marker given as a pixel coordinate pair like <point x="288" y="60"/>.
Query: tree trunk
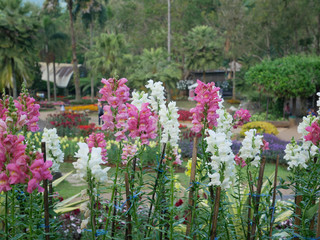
<point x="74" y="54"/>
<point x="54" y="79"/>
<point x="48" y="83"/>
<point x="234" y="80"/>
<point x="14" y="80"/>
<point x="294" y="106"/>
<point x="91" y="76"/>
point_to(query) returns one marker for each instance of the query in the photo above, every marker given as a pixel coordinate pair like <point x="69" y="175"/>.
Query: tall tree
<point x="203" y="49"/>
<point x="17" y="31"/>
<point x="231" y="15"/>
<point x="76" y="75"/>
<point x="92" y="11"/>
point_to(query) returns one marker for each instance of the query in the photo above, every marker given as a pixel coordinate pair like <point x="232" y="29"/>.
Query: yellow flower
<point x="177" y="186"/>
<point x="188" y="171"/>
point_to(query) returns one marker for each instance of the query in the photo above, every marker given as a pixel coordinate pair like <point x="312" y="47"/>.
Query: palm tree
<point x="17" y="51"/>
<point x="53" y="45"/>
<point x="203" y="49"/>
<point x="91" y="11"/>
<point x="154" y="64"/>
<point x="108" y="56"/>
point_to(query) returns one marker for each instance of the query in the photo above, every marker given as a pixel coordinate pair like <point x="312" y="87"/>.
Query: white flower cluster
<point x="53" y="148"/>
<point x="157" y="94"/>
<point x="222" y="159"/>
<point x="169" y="121"/>
<point x="85" y="162"/>
<point x="297" y="156"/>
<point x="318" y="103"/>
<point x="251" y="145"/>
<point x="224" y="122"/>
<point x="138" y="98"/>
<point x="306" y="121"/>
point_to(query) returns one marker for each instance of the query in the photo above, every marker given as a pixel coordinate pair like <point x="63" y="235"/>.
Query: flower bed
<point x="227" y="195"/>
<point x="89" y="107"/>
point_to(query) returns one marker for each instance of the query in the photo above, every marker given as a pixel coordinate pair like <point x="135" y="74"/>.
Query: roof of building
<point x="64" y="72"/>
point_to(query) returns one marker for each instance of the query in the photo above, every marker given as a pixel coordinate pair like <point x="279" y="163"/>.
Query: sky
<point x="38" y="2"/>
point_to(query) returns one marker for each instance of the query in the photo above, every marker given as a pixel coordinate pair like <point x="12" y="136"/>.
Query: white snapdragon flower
<point x="306" y="121"/>
<point x="297" y="156"/>
<point x="157" y="94"/>
<point x="318" y="103"/>
<point x="169" y="121"/>
<point x="138" y="98"/>
<point x="85" y="162"/>
<point x="53" y="148"/>
<point x="251" y="145"/>
<point x="222" y="159"/>
<point x="224" y="122"/>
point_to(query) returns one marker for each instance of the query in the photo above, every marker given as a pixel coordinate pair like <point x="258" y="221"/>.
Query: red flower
<point x="179" y="203"/>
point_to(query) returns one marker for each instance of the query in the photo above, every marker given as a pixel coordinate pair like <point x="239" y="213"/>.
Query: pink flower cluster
<point x="18" y="165"/>
<point x="128" y="152"/>
<point x="15" y="165"/>
<point x="174" y="156"/>
<point x="141" y="124"/>
<point x="314" y="133"/>
<point x="98" y="140"/>
<point x="26" y="106"/>
<point x="116" y="93"/>
<point x="208" y="103"/>
<point x="240" y="117"/>
<point x="26" y="112"/>
<point x="239" y="161"/>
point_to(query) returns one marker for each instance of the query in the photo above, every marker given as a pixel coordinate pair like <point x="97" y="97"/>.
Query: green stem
<point x="171" y="200"/>
<point x="240" y="202"/>
<point x="6" y="217"/>
<point x="113" y="190"/>
<point x="92" y="212"/>
<point x="13" y="210"/>
<point x="30" y="216"/>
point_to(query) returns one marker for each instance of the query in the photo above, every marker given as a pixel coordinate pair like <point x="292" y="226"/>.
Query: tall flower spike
<point x="222" y="159"/>
<point x="170" y="124"/>
<point x="157" y="95"/>
<point x="116" y="93"/>
<point x="207" y="105"/>
<point x="251" y="147"/>
<point x="53" y="148"/>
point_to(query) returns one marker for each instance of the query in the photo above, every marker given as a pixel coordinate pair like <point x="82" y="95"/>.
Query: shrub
<point x="262" y="117"/>
<point x="262" y="127"/>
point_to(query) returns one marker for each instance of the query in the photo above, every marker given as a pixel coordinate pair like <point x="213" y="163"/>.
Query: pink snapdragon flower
<point x="141" y="124"/>
<point x="4" y="182"/>
<point x="98" y="140"/>
<point x="177" y="157"/>
<point x="116" y="94"/>
<point x="265" y="145"/>
<point x="314" y="133"/>
<point x="128" y="152"/>
<point x="207" y="106"/>
<point x="28" y="111"/>
<point x="239" y="161"/>
<point x="240" y="117"/>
